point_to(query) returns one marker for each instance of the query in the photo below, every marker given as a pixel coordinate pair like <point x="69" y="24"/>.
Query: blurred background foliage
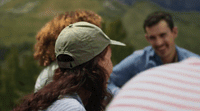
<point x="20" y="20"/>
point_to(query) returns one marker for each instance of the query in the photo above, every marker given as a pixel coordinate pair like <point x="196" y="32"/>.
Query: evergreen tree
<point x="18" y="75"/>
<point x="116" y="31"/>
<point x="10" y="70"/>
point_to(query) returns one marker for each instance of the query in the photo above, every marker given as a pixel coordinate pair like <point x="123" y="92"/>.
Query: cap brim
<point x="113" y="42"/>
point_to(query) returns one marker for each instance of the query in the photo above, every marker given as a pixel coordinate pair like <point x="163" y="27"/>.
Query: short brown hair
<point x="46" y="37"/>
<point x="156" y="17"/>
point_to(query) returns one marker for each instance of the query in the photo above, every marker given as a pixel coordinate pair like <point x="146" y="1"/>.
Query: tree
<point x="116" y="31"/>
<point x="18" y="75"/>
<point x="9" y="73"/>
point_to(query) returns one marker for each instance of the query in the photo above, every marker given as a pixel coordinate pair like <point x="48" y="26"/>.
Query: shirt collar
<point x="74" y="95"/>
<point x="179" y="54"/>
<point x="152" y="54"/>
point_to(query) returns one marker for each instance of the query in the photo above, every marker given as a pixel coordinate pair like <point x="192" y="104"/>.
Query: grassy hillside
<point x="188" y="25"/>
<point x="21" y="19"/>
<point x="113" y="10"/>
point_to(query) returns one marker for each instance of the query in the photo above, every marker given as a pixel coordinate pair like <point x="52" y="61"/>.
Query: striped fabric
<point x="67" y="103"/>
<point x="171" y="87"/>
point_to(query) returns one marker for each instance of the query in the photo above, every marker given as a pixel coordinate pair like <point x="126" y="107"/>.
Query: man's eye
<point x="162" y="35"/>
<point x="152" y="38"/>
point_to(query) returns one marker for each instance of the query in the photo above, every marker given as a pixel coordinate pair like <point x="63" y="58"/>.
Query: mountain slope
<point x="21" y="19"/>
<point x="188" y="25"/>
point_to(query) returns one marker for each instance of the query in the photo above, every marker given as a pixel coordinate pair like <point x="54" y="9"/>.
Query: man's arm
<point x="125" y="70"/>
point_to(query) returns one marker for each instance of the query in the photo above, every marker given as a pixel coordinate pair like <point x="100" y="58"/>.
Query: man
<point x="160" y="33"/>
<point x="170" y="87"/>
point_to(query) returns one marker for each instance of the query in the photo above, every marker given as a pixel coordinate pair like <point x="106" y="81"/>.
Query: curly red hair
<point x="46" y="37"/>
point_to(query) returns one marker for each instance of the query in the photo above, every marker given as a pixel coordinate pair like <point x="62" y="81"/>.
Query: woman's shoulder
<point x="66" y="104"/>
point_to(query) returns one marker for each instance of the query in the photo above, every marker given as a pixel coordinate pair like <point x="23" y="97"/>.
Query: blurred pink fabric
<point x="170" y="87"/>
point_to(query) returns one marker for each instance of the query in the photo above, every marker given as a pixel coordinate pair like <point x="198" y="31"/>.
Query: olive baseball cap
<point x="82" y="41"/>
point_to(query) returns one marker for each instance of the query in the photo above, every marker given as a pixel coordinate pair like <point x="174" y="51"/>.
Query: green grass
<point x="18" y="24"/>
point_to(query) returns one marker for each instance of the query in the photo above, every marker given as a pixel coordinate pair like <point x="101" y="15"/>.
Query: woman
<point x="84" y="58"/>
<point x="46" y="37"/>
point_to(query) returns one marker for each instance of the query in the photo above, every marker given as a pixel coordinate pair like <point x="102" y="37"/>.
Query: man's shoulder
<point x="137" y="57"/>
<point x="142" y="52"/>
<point x="184" y="53"/>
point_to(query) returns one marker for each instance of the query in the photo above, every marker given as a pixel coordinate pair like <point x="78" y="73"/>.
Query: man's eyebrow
<point x="164" y="33"/>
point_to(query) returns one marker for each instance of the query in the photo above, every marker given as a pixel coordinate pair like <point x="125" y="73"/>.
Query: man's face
<point x="161" y="37"/>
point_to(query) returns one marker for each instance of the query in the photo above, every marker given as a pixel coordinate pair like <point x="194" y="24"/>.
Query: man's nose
<point x="159" y="42"/>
